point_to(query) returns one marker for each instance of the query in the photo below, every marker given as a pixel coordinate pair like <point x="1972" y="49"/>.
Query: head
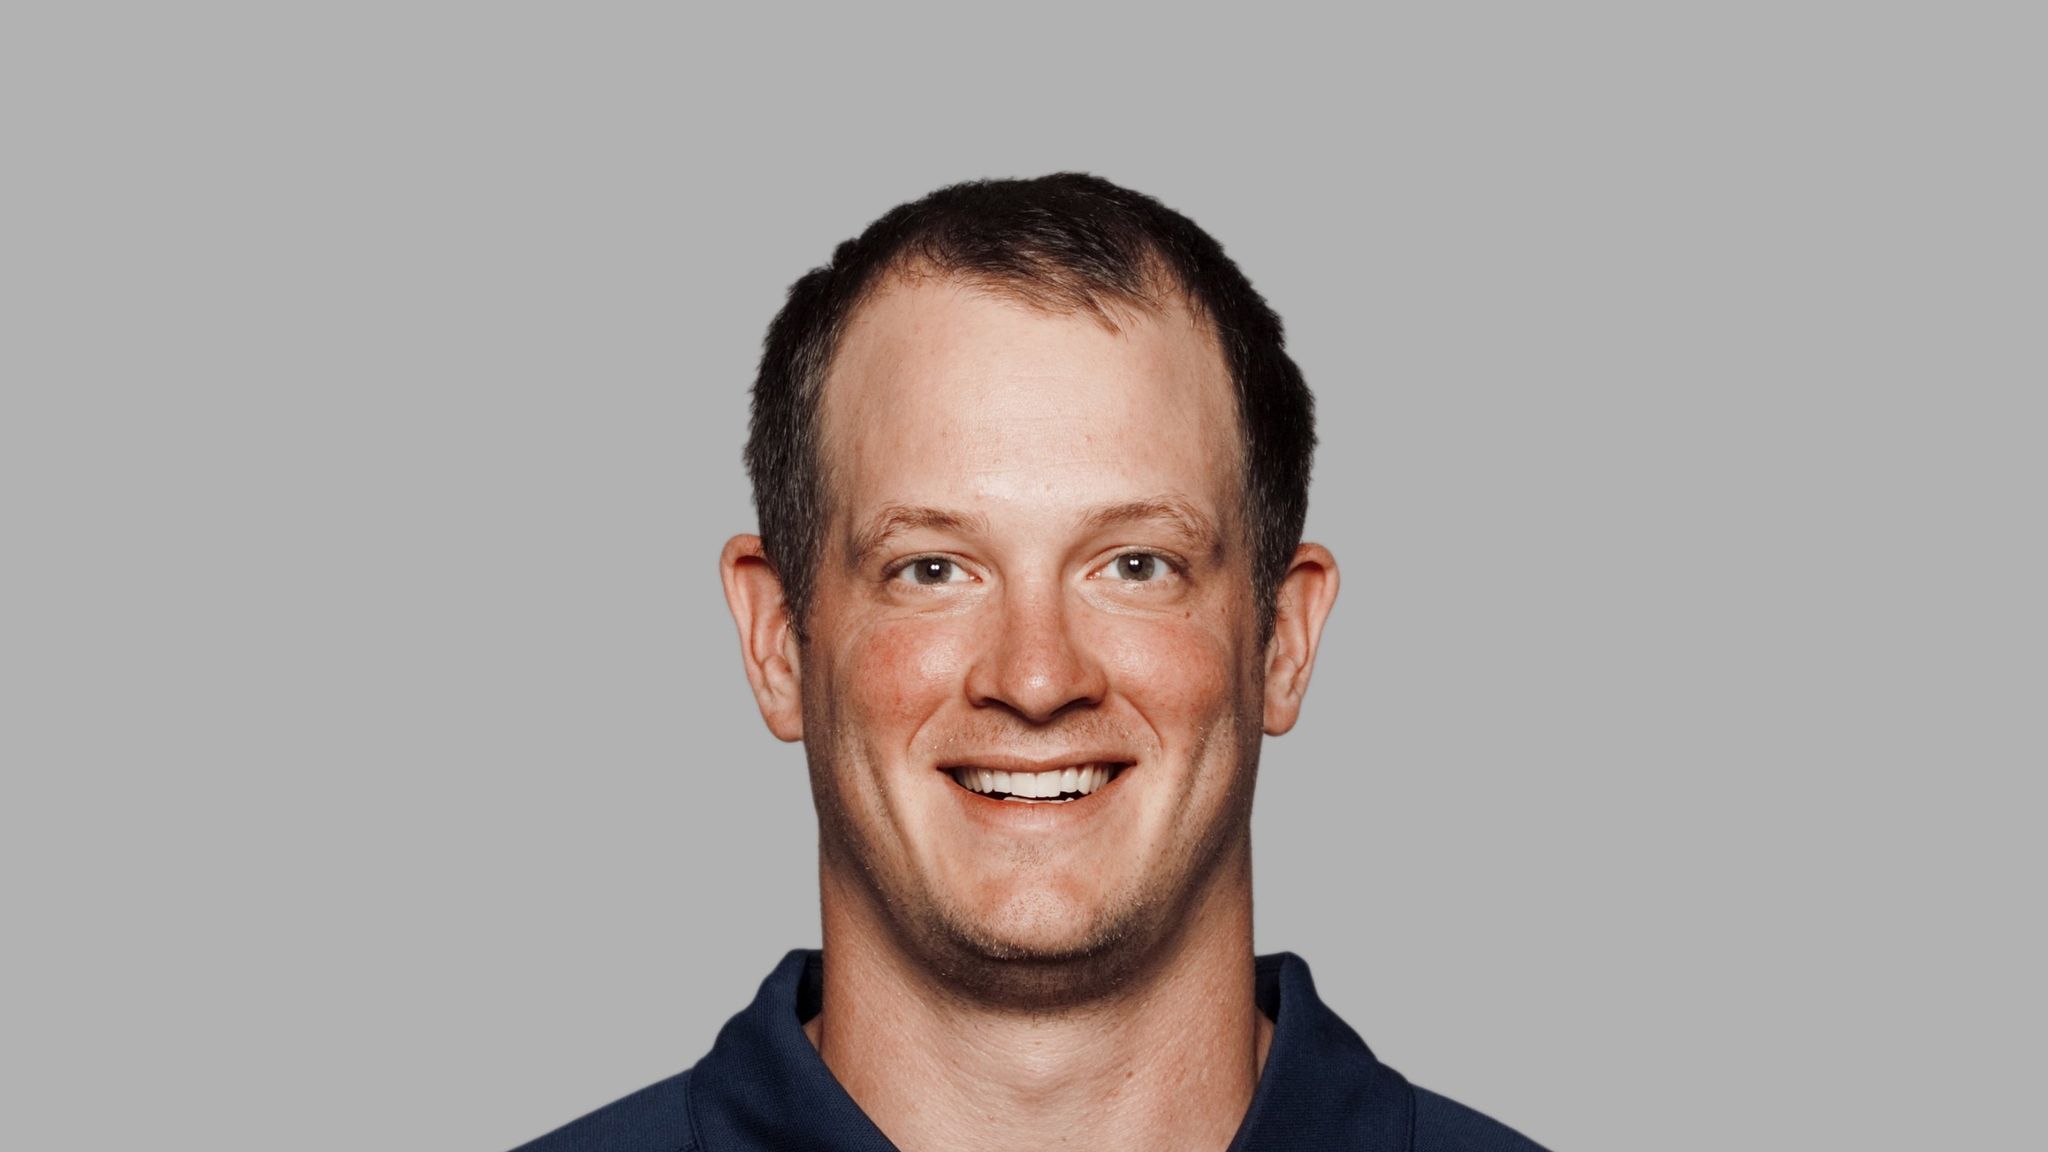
<point x="1031" y="464"/>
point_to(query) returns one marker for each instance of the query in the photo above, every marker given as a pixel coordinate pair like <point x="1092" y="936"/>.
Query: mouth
<point x="1062" y="785"/>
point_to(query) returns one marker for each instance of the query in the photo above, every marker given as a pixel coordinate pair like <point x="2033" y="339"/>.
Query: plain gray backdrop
<point x="380" y="772"/>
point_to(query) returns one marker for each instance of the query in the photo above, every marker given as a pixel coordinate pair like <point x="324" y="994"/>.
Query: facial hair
<point x="1136" y="929"/>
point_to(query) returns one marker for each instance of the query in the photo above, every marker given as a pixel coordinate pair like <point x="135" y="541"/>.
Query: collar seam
<point x="696" y="1143"/>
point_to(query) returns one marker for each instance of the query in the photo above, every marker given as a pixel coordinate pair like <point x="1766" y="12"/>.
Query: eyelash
<point x="897" y="572"/>
<point x="1173" y="564"/>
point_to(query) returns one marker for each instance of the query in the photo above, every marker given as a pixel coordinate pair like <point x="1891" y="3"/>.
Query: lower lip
<point x="1013" y="815"/>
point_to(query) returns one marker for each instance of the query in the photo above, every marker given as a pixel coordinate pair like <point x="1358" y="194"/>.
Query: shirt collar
<point x="763" y="1086"/>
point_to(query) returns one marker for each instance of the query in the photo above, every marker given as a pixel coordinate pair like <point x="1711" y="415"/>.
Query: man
<point x="1031" y="465"/>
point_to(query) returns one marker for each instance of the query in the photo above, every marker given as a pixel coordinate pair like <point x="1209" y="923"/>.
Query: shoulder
<point x="1444" y="1125"/>
<point x="654" y="1119"/>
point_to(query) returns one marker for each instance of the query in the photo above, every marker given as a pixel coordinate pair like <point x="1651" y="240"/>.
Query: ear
<point x="768" y="645"/>
<point x="1306" y="594"/>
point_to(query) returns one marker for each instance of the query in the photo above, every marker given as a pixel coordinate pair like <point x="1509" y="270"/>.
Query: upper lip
<point x="1002" y="762"/>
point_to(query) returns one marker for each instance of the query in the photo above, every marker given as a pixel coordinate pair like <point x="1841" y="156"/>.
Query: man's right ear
<point x="768" y="644"/>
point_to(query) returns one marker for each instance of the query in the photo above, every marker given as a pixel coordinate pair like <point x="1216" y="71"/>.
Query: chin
<point x="1038" y="951"/>
<point x="1043" y="931"/>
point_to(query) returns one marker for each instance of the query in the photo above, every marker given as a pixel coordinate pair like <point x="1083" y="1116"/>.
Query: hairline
<point x="1101" y="303"/>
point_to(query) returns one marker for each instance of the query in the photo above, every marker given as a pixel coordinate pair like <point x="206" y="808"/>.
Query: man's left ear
<point x="1305" y="596"/>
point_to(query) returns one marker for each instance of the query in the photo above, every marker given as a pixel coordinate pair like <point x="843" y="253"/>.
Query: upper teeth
<point x="1048" y="784"/>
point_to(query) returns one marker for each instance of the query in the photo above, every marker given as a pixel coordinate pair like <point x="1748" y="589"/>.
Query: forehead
<point x="949" y="395"/>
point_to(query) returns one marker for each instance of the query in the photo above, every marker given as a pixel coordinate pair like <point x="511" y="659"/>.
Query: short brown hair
<point x="1064" y="242"/>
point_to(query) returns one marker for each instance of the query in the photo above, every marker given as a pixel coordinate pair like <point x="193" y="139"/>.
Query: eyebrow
<point x="1194" y="526"/>
<point x="896" y="519"/>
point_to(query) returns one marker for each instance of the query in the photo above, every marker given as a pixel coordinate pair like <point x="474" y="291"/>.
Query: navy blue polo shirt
<point x="764" y="1088"/>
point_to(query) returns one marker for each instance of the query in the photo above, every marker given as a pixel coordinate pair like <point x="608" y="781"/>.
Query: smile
<point x="1052" y="786"/>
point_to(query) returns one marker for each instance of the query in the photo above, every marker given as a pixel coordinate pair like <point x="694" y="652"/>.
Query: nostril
<point x="1038" y="665"/>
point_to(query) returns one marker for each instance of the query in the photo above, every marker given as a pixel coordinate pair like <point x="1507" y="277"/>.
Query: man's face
<point x="1035" y="564"/>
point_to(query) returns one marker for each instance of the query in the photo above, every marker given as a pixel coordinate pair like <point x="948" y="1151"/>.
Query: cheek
<point x="1174" y="670"/>
<point x="897" y="673"/>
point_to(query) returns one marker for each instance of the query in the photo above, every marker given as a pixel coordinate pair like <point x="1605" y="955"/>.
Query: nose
<point x="1034" y="664"/>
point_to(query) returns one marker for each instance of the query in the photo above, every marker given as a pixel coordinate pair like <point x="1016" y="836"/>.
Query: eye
<point x="1137" y="567"/>
<point x="930" y="570"/>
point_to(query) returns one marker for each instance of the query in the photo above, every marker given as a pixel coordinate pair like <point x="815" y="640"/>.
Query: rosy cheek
<point x="899" y="672"/>
<point x="1169" y="669"/>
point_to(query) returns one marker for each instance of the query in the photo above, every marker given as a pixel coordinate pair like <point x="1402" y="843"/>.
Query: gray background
<point x="379" y="767"/>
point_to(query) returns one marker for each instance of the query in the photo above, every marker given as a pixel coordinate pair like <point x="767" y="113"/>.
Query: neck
<point x="1167" y="1062"/>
